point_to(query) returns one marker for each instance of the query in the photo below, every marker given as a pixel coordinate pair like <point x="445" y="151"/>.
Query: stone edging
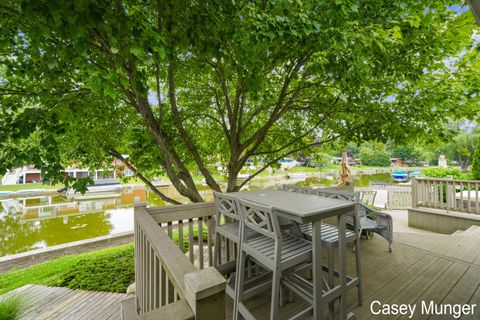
<point x="39" y="255"/>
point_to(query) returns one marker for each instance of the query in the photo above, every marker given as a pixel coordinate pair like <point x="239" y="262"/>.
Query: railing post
<point x="414" y="192"/>
<point x="205" y="293"/>
<point x="139" y="285"/>
<point x="450" y="193"/>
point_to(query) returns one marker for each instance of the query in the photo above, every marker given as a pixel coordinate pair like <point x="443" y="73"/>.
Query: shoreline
<point x="282" y="175"/>
<point x="28" y="258"/>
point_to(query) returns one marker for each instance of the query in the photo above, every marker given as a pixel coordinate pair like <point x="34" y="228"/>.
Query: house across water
<point x="30" y="174"/>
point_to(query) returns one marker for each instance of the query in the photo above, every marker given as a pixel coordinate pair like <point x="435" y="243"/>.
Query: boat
<point x="243" y="176"/>
<point x="31" y="191"/>
<point x="93" y="196"/>
<point x="297" y="176"/>
<point x="96" y="192"/>
<point x="400" y="176"/>
<point x="414" y="174"/>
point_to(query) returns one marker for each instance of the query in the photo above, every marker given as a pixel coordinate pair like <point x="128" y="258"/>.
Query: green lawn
<point x="16" y="187"/>
<point x="110" y="269"/>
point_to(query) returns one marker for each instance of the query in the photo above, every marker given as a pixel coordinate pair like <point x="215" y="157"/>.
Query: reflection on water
<point x="30" y="223"/>
<point x="358" y="180"/>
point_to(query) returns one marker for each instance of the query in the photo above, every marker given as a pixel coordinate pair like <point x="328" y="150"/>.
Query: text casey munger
<point x="425" y="308"/>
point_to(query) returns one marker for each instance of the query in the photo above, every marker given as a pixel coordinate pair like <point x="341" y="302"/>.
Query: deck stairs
<point x="462" y="245"/>
<point x="11" y="177"/>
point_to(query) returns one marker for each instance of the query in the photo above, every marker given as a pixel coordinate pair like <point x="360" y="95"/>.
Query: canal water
<point x="28" y="223"/>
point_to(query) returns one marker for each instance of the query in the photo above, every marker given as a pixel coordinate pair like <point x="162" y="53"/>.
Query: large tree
<point x="183" y="85"/>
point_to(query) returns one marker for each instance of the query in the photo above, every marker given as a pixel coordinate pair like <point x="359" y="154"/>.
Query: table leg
<point x="317" y="270"/>
<point x="342" y="252"/>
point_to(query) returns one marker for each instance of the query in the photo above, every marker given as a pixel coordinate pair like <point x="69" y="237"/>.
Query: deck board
<point x="41" y="302"/>
<point x="417" y="286"/>
<point x="409" y="274"/>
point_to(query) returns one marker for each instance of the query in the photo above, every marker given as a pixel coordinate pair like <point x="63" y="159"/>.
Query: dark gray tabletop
<point x="298" y="206"/>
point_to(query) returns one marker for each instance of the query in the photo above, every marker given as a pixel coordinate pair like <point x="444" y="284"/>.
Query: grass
<point x="110" y="269"/>
<point x="10" y="308"/>
<point x="17" y="187"/>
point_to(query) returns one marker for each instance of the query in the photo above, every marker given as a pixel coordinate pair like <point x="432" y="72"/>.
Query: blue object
<point x="414" y="174"/>
<point x="400" y="176"/>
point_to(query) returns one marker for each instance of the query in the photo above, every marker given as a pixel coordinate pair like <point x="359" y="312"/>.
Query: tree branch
<point x="183" y="133"/>
<point x="319" y="143"/>
<point x="119" y="156"/>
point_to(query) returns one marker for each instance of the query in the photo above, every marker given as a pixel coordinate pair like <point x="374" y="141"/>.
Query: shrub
<point x="476" y="162"/>
<point x="108" y="272"/>
<point x="456" y="173"/>
<point x="376" y="160"/>
<point x="175" y="236"/>
<point x="10" y="308"/>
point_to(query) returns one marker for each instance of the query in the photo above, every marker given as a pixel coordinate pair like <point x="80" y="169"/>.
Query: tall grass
<point x="10" y="308"/>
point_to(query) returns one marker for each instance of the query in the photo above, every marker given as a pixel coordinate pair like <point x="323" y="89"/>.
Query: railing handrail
<point x="175" y="263"/>
<point x="442" y="193"/>
<point x="447" y="180"/>
<point x="163" y="274"/>
<point x="181" y="212"/>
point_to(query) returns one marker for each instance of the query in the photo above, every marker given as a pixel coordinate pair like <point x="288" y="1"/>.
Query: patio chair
<point x="227" y="224"/>
<point x="368" y="197"/>
<point x="274" y="250"/>
<point x="293" y="188"/>
<point x="329" y="235"/>
<point x="372" y="220"/>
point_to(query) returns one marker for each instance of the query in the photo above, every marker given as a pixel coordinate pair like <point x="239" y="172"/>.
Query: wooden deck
<point x="428" y="267"/>
<point x="41" y="303"/>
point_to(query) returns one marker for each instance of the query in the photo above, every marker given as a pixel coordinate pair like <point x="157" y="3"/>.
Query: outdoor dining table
<point x="306" y="208"/>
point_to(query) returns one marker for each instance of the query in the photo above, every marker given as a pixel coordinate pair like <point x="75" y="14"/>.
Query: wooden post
<point x="205" y="293"/>
<point x="414" y="192"/>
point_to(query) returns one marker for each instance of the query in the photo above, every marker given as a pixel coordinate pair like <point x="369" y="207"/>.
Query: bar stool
<point x="227" y="224"/>
<point x="275" y="251"/>
<point x="330" y="239"/>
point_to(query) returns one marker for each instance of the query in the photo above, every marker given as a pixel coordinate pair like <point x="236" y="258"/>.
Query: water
<point x="30" y="223"/>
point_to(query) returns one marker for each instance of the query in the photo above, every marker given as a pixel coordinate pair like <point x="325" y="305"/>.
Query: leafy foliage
<point x="108" y="272"/>
<point x="56" y="271"/>
<point x="183" y="85"/>
<point x="376" y="160"/>
<point x="476" y="162"/>
<point x="186" y="245"/>
<point x="374" y="154"/>
<point x="456" y="173"/>
<point x="407" y="154"/>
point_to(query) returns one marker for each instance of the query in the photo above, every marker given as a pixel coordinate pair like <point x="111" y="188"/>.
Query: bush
<point x="376" y="160"/>
<point x="62" y="271"/>
<point x="108" y="272"/>
<point x="476" y="162"/>
<point x="175" y="237"/>
<point x="456" y="173"/>
<point x="10" y="308"/>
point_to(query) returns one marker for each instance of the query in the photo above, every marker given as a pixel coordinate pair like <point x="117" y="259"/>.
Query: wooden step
<point x="473" y="231"/>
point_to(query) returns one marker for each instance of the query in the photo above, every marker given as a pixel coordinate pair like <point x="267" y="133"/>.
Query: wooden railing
<point x="388" y="185"/>
<point x="446" y="194"/>
<point x="166" y="281"/>
<point x="400" y="198"/>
